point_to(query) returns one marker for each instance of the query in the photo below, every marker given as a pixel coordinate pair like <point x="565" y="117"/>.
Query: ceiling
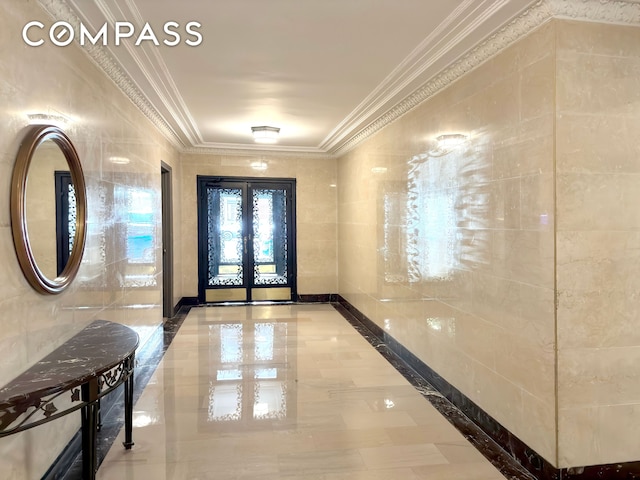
<point x="320" y="70"/>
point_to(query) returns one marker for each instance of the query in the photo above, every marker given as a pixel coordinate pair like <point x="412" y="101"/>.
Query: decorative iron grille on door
<point x="246" y="239"/>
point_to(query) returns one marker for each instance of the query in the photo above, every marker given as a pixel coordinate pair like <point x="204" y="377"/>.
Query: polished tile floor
<point x="285" y="392"/>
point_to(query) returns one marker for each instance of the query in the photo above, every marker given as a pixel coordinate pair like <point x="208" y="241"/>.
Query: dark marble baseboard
<point x="318" y="298"/>
<point x="299" y="298"/>
<point x="186" y="302"/>
<point x="63" y="463"/>
<point x="514" y="456"/>
<point x="505" y="450"/>
<point x="68" y="465"/>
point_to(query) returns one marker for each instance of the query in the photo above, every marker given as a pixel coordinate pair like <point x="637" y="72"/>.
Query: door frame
<point x="202" y="181"/>
<point x="168" y="309"/>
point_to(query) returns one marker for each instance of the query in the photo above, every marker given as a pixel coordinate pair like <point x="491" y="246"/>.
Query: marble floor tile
<point x="285" y="392"/>
<point x="458" y="471"/>
<point x="421" y="434"/>
<point x="399" y="456"/>
<point x="459" y="452"/>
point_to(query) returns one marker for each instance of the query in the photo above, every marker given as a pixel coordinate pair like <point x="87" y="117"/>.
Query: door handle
<point x="245" y="244"/>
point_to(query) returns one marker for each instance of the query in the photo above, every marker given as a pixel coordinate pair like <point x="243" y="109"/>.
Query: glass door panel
<point x="224" y="245"/>
<point x="225" y="238"/>
<point x="246" y="240"/>
<point x="270" y="237"/>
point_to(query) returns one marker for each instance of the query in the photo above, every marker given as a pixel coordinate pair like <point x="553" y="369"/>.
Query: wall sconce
<point x="265" y="134"/>
<point x="56" y="119"/>
<point x="119" y="160"/>
<point x="260" y="165"/>
<point x="447" y="143"/>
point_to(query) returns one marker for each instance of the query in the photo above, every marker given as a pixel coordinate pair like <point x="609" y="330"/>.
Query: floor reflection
<point x="285" y="392"/>
<point x="249" y="371"/>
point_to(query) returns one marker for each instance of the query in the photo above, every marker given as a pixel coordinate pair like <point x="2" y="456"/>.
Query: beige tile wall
<point x="598" y="243"/>
<point x="104" y="123"/>
<point x="541" y="124"/>
<point x="315" y="213"/>
<point x="467" y="285"/>
<point x="454" y="255"/>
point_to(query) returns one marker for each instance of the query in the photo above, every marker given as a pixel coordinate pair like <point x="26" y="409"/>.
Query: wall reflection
<point x="249" y="373"/>
<point x="437" y="222"/>
<point x="138" y="225"/>
<point x="122" y="237"/>
<point x="433" y="243"/>
<point x="394" y="248"/>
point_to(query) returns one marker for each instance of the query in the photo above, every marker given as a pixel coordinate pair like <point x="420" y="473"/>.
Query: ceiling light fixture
<point x="265" y="134"/>
<point x="447" y="143"/>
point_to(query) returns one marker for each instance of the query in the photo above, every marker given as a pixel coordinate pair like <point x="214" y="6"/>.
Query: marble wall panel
<point x="111" y="284"/>
<point x="462" y="245"/>
<point x="316" y="197"/>
<point x="475" y="236"/>
<point x="598" y="246"/>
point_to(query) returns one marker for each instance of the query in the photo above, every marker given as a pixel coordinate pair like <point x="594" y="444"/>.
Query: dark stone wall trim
<point x="318" y="298"/>
<point x="186" y="302"/>
<point x="515" y="448"/>
<point x="68" y="465"/>
<point x="492" y="439"/>
<point x="64" y="461"/>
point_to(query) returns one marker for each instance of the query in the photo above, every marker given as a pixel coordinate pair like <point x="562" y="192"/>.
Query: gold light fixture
<point x="265" y="134"/>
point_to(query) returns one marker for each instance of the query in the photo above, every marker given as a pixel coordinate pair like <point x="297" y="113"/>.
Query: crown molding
<point x="60" y="10"/>
<point x="149" y="61"/>
<point x="468" y="17"/>
<point x="263" y="150"/>
<point x="343" y="138"/>
<point x="603" y="11"/>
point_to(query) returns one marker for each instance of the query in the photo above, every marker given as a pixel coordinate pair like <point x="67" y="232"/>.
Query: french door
<point x="246" y="239"/>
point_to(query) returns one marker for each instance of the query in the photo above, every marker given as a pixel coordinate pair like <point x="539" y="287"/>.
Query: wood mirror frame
<point x="33" y="138"/>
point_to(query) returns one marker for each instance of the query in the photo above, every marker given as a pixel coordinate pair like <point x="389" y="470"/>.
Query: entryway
<point x="246" y="239"/>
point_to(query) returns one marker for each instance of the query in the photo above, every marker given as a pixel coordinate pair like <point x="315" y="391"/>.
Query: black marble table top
<point x="96" y="349"/>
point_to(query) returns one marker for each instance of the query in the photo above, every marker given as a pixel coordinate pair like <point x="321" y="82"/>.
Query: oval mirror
<point x="48" y="209"/>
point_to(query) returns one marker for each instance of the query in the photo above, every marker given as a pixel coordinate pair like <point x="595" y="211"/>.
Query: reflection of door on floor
<point x="246" y="239"/>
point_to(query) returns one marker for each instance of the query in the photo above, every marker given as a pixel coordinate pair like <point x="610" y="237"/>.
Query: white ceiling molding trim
<point x="350" y="132"/>
<point x="150" y="62"/>
<point x="525" y="23"/>
<point x="59" y="10"/>
<point x="604" y="11"/>
<point x="247" y="150"/>
<point x="464" y="20"/>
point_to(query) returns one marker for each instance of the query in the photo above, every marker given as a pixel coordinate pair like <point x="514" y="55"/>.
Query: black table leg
<point x="89" y="429"/>
<point x="128" y="405"/>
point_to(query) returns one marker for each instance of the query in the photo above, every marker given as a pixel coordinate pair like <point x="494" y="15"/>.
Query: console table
<point x="75" y="376"/>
